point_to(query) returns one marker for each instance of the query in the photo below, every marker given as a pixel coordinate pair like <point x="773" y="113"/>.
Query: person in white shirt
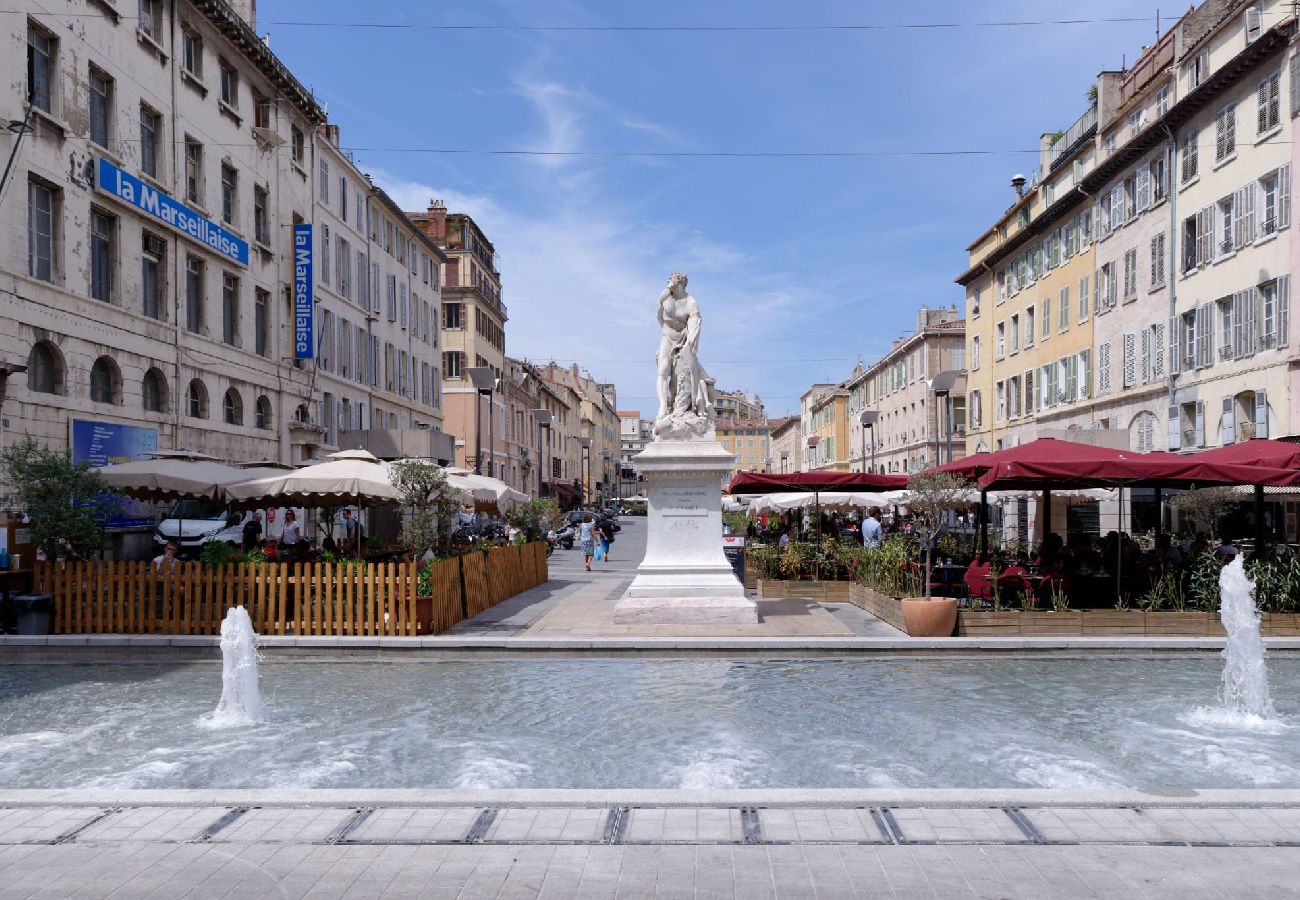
<point x="872" y="533"/>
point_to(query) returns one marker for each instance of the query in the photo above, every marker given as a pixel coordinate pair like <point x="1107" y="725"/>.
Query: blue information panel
<point x="103" y="443"/>
<point x="303" y="302"/>
<point x="125" y="187"/>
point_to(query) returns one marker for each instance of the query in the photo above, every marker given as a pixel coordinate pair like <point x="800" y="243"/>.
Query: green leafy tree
<point x="1205" y="506"/>
<point x="931" y="496"/>
<point x="68" y="502"/>
<point x="430" y="504"/>
<point x="534" y="518"/>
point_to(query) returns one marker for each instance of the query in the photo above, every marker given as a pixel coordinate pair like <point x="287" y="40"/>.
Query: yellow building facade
<point x="828" y="433"/>
<point x="1031" y="299"/>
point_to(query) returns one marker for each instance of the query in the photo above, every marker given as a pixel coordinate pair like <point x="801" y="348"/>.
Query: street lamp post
<point x="605" y="472"/>
<point x="484" y="380"/>
<point x="869" y="418"/>
<point x="585" y="444"/>
<point x="543" y="417"/>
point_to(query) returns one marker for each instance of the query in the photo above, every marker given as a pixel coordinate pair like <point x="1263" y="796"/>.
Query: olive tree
<point x="930" y="496"/>
<point x="67" y="502"/>
<point x="430" y="504"/>
<point x="1205" y="506"/>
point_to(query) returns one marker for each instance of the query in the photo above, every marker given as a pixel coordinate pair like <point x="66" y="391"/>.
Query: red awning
<point x="1257" y="452"/>
<point x="772" y="483"/>
<point x="978" y="465"/>
<point x="1065" y="469"/>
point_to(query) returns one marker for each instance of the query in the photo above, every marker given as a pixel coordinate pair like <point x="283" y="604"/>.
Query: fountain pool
<point x="1092" y="722"/>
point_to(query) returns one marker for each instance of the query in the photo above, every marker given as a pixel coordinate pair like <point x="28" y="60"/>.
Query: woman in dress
<point x="587" y="537"/>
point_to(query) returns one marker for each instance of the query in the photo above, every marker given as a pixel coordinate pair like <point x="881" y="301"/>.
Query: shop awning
<point x="792" y="482"/>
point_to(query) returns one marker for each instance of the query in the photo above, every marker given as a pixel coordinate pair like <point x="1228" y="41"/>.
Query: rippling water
<point x="992" y="722"/>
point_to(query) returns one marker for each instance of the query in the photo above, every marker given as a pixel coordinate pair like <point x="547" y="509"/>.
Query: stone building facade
<point x="147" y="256"/>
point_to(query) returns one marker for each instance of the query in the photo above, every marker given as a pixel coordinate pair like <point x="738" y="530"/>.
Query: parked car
<point x="193" y="523"/>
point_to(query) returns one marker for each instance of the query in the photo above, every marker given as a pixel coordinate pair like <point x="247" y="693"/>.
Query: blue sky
<point x="802" y="265"/>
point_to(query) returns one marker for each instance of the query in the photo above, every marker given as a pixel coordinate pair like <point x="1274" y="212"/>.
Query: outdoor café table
<point x="1089" y="589"/>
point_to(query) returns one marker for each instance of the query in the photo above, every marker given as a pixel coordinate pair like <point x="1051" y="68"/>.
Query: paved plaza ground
<point x="251" y="847"/>
<point x="577" y="603"/>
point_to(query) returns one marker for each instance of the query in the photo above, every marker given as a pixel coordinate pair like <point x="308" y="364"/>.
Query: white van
<point x="193" y="523"/>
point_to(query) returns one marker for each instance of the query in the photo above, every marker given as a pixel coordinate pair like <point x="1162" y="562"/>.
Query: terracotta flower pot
<point x="930" y="618"/>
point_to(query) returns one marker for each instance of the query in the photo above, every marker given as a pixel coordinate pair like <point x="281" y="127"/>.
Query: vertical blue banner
<point x="303" y="302"/>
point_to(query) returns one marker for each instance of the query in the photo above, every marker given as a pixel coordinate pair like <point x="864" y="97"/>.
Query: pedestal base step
<point x="685" y="611"/>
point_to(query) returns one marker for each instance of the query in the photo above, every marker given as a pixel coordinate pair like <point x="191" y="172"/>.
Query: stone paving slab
<point x="418" y="825"/>
<point x="283" y="825"/>
<point x="153" y="824"/>
<point x="33" y="824"/>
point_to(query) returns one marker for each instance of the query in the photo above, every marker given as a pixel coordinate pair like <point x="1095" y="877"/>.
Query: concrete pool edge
<point x="824" y="798"/>
<point x="176" y="648"/>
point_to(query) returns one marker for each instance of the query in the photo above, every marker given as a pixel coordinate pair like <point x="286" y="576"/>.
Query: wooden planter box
<point x="887" y="609"/>
<point x="821" y="591"/>
<point x="1276" y="625"/>
<point x="1103" y="623"/>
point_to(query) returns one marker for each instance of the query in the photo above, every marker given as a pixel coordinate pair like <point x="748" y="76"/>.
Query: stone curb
<point x="1026" y="797"/>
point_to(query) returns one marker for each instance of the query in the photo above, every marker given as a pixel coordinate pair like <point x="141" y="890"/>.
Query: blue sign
<point x="105" y="443"/>
<point x="303" y="303"/>
<point x="154" y="203"/>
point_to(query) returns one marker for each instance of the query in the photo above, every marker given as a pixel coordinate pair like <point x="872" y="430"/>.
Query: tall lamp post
<point x="606" y="472"/>
<point x="943" y="385"/>
<point x="585" y="444"/>
<point x="485" y="381"/>
<point x="543" y="417"/>
<point x="869" y="418"/>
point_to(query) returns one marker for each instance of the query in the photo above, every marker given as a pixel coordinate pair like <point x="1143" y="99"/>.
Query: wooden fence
<point x="313" y="599"/>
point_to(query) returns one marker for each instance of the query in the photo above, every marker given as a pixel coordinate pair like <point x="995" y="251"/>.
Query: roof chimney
<point x="1018" y="182"/>
<point x="436" y="226"/>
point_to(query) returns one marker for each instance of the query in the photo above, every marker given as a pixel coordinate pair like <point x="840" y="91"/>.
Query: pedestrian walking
<point x="605" y="533"/>
<point x="587" y="538"/>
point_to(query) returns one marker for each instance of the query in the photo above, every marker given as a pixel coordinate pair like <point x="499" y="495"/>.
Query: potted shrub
<point x="429" y="514"/>
<point x="931" y="495"/>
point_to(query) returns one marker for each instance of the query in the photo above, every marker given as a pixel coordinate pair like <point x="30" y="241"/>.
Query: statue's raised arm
<point x="685" y="389"/>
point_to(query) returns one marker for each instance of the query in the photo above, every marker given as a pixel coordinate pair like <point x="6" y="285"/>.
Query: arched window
<point x="153" y="391"/>
<point x="1142" y="432"/>
<point x="232" y="408"/>
<point x="105" y="381"/>
<point x="45" y="369"/>
<point x="262" y="412"/>
<point x="196" y="400"/>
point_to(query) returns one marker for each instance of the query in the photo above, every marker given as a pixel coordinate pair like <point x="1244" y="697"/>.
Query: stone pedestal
<point x="685" y="578"/>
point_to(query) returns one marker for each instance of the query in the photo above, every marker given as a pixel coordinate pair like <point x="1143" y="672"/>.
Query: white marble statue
<point x="685" y="389"/>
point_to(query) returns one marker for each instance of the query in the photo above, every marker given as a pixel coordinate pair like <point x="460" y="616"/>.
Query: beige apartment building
<point x="738" y="405"/>
<point x="748" y="440"/>
<point x="473" y="333"/>
<point x="785" y="439"/>
<point x="167" y="167"/>
<point x="635" y="434"/>
<point x="599" y="431"/>
<point x="914" y="398"/>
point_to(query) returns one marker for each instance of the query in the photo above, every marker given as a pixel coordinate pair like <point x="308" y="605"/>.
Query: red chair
<point x="1012" y="584"/>
<point x="977" y="581"/>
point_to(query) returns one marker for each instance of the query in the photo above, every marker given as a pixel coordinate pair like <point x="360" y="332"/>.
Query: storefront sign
<point x="154" y="203"/>
<point x="303" y="345"/>
<point x="106" y="443"/>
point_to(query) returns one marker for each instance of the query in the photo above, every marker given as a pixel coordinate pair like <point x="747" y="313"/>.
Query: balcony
<point x="1072" y="136"/>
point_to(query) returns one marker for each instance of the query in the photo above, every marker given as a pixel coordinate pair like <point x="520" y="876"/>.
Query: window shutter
<point x="1029" y="393"/>
<point x="1129" y="352"/>
<point x="1143" y="188"/>
<point x="1085" y="374"/>
<point x="1295" y="84"/>
<point x="1071" y="378"/>
<point x="1178" y="338"/>
<point x="1227" y="425"/>
<point x="1096" y="293"/>
<point x="1103" y="368"/>
<point x="1204" y="334"/>
<point x="1158" y="351"/>
<point x="1283" y="309"/>
<point x="1116" y="206"/>
<point x="1175" y="433"/>
<point x="1261" y="414"/>
<point x="1200" y="423"/>
<point x="1205" y="235"/>
<point x="1145" y="362"/>
<point x="1246" y="213"/>
<point x="1284" y="196"/>
<point x="1261" y="100"/>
